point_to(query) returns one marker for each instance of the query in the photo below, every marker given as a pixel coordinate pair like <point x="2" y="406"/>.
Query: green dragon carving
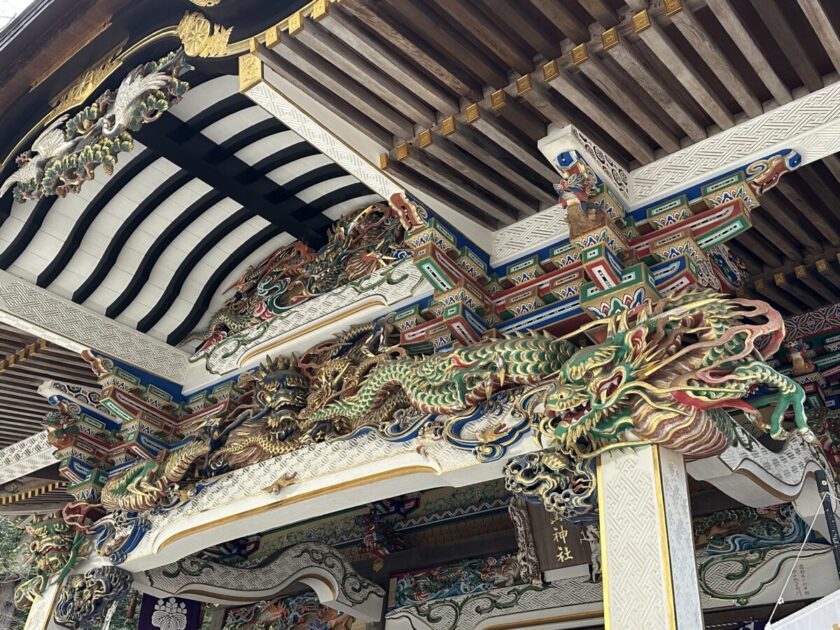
<point x="143" y="484"/>
<point x="55" y="549"/>
<point x="451" y="381"/>
<point x="661" y="373"/>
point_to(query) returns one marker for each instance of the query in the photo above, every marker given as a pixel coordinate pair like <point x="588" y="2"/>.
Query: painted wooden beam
<point x="655" y="38"/>
<point x="346" y="88"/>
<point x="821" y="222"/>
<point x="785" y="216"/>
<point x="476" y="171"/>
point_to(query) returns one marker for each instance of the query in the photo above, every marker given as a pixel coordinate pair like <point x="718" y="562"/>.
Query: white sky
<point x="11" y="8"/>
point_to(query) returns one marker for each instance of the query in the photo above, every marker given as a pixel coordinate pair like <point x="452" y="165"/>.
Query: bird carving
<point x="120" y="109"/>
<point x="50" y="144"/>
<point x="131" y="90"/>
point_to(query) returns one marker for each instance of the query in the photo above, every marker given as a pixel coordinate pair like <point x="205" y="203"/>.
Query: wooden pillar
<point x="41" y="613"/>
<point x="647" y="545"/>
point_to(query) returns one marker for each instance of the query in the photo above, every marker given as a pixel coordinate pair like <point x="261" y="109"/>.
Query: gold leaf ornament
<point x="201" y="38"/>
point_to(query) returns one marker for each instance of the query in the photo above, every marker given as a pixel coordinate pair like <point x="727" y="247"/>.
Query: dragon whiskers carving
<point x="661" y="370"/>
<point x="660" y="376"/>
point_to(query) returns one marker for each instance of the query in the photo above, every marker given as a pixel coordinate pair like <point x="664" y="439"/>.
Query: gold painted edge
<point x="345" y="485"/>
<point x="312" y="328"/>
<point x="602" y="526"/>
<point x="663" y="537"/>
<point x="594" y="614"/>
<point x="250" y="72"/>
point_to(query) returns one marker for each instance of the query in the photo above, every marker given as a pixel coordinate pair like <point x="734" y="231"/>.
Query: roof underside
<point x="217" y="183"/>
<point x="27" y="362"/>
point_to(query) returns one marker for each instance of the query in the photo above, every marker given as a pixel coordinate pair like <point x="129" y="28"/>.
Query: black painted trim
<point x="221" y="109"/>
<point x="315" y="176"/>
<point x="153" y="254"/>
<point x="112" y="252"/>
<point x="176" y="283"/>
<point x="287" y="155"/>
<point x="244" y="138"/>
<point x="91" y="211"/>
<point x="30" y="228"/>
<point x="340" y="195"/>
<point x="188" y="149"/>
<point x="6" y="207"/>
<point x="196" y="209"/>
<point x="212" y="285"/>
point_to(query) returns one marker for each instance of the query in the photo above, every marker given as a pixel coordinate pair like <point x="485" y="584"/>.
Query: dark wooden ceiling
<point x="458" y="93"/>
<point x="404" y="72"/>
<point x="793" y="250"/>
<point x="43" y="490"/>
<point x="26" y="363"/>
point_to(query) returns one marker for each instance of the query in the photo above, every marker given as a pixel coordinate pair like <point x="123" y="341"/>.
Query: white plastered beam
<point x="48" y="316"/>
<point x="346" y="146"/>
<point x="809" y="125"/>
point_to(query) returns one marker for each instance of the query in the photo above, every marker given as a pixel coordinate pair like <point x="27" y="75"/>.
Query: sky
<point x="11" y="8"/>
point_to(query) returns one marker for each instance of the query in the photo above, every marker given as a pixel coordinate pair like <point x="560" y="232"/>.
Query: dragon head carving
<point x="55" y="549"/>
<point x="660" y="371"/>
<point x="280" y="389"/>
<point x="595" y="391"/>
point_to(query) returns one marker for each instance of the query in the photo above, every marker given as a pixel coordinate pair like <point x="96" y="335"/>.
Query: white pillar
<point x="647" y="545"/>
<point x="41" y="613"/>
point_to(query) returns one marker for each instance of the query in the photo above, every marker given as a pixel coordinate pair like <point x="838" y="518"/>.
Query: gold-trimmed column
<point x="647" y="546"/>
<point x="41" y="612"/>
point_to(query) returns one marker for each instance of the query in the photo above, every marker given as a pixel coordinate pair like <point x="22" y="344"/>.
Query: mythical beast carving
<point x="55" y="549"/>
<point x="362" y="378"/>
<point x="84" y="599"/>
<point x="661" y="371"/>
<point x="660" y="376"/>
<point x="450" y="381"/>
<point x="269" y="425"/>
<point x="145" y="483"/>
<point x="69" y="150"/>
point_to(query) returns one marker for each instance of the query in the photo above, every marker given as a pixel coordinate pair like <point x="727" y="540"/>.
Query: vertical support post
<point x="41" y="613"/>
<point x="647" y="545"/>
<point x="217" y="617"/>
<point x="828" y="510"/>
